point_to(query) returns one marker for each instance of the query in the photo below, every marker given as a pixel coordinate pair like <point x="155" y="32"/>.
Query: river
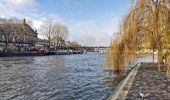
<point x="69" y="77"/>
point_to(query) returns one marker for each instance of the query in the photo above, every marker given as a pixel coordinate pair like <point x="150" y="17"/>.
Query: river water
<point x="69" y="77"/>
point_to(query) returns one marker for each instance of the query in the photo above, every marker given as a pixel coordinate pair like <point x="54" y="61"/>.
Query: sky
<point x="90" y="22"/>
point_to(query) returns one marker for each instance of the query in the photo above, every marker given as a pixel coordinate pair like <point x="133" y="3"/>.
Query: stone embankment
<point x="144" y="82"/>
<point x="122" y="88"/>
<point x="36" y="53"/>
<point x="150" y="84"/>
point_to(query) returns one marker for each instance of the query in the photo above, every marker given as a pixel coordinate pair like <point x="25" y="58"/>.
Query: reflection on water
<point x="55" y="78"/>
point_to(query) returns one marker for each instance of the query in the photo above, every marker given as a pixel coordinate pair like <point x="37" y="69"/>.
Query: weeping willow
<point x="146" y="26"/>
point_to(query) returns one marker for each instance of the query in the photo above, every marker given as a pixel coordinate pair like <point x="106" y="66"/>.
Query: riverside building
<point x="17" y="35"/>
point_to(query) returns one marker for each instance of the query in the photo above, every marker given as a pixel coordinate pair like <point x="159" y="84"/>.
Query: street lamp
<point x="155" y="2"/>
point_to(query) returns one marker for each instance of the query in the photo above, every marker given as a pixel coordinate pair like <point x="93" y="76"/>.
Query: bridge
<point x="86" y="48"/>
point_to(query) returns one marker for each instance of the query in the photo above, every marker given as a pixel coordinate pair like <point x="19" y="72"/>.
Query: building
<point x="42" y="43"/>
<point x="17" y="35"/>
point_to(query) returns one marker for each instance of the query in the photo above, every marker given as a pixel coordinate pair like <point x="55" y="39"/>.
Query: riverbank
<point x="144" y="82"/>
<point x="123" y="87"/>
<point x="36" y="53"/>
<point x="150" y="84"/>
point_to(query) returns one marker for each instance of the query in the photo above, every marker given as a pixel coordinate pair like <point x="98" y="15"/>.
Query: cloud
<point x="93" y="33"/>
<point x="20" y="2"/>
<point x="89" y="33"/>
<point x="17" y="8"/>
<point x="38" y="22"/>
<point x="113" y="25"/>
<point x="44" y="17"/>
<point x="25" y="9"/>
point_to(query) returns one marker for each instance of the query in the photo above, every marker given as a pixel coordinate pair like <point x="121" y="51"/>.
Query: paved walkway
<point x="150" y="84"/>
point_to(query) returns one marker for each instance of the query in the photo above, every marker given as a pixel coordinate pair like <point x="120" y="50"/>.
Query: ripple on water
<point x="55" y="78"/>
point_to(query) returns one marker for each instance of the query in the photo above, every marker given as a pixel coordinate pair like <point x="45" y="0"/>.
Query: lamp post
<point x="155" y="2"/>
<point x="158" y="37"/>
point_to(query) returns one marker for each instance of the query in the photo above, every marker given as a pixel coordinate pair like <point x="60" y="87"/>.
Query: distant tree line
<point x="74" y="44"/>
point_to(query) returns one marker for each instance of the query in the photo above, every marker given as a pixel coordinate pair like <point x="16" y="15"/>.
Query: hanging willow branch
<point x="146" y="26"/>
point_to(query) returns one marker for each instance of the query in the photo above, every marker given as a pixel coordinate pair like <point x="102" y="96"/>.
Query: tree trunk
<point x="19" y="46"/>
<point x="160" y="58"/>
<point x="153" y="55"/>
<point x="6" y="46"/>
<point x="49" y="43"/>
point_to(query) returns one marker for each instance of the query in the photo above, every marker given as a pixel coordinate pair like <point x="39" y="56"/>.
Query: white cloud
<point x="113" y="25"/>
<point x="25" y="9"/>
<point x="18" y="8"/>
<point x="89" y="33"/>
<point x="20" y="2"/>
<point x="85" y="32"/>
<point x="37" y="24"/>
<point x="22" y="9"/>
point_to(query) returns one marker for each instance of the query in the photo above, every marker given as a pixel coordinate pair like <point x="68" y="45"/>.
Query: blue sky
<point x="91" y="22"/>
<point x="84" y="9"/>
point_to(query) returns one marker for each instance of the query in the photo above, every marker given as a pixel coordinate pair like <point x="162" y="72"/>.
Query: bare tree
<point x="74" y="44"/>
<point x="6" y="26"/>
<point x="48" y="30"/>
<point x="19" y="33"/>
<point x="54" y="32"/>
<point x="61" y="34"/>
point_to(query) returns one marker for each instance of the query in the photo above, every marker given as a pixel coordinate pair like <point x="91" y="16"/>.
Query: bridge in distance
<point x="87" y="48"/>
